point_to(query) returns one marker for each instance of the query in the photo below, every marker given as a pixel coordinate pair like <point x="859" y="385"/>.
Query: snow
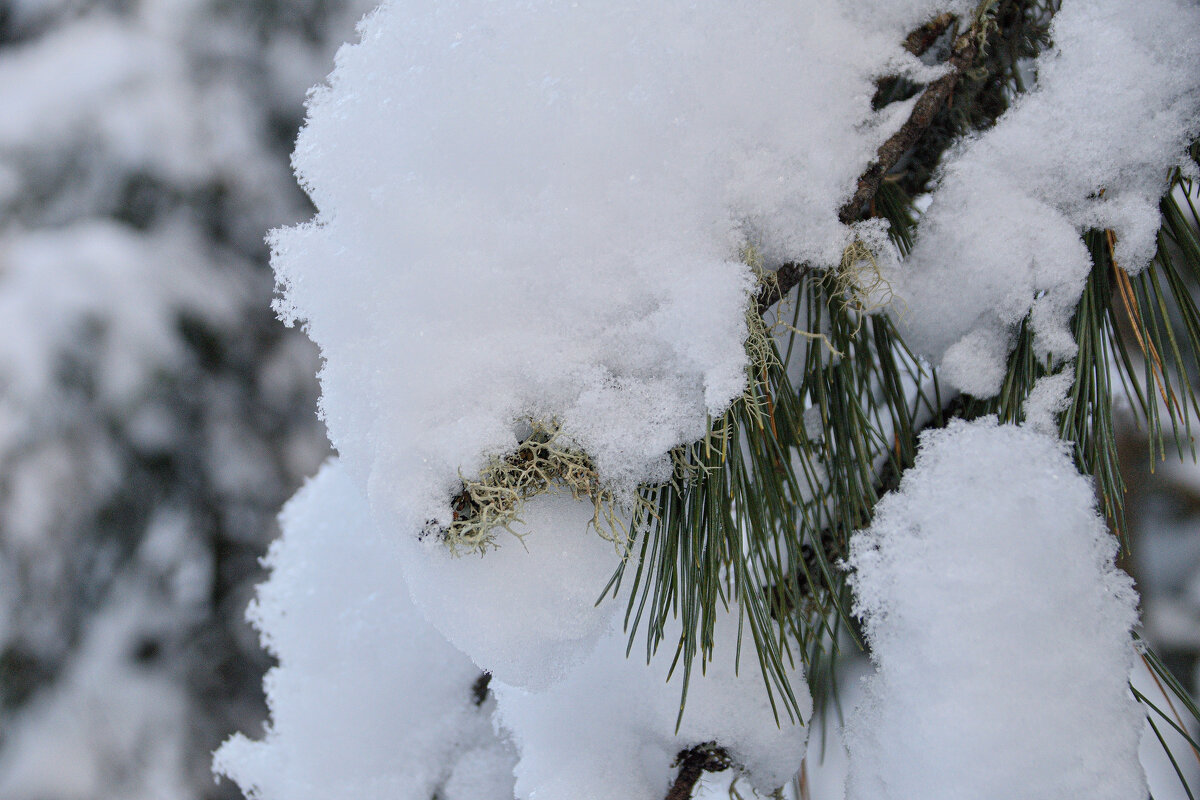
<point x="616" y="710"/>
<point x="552" y="198"/>
<point x="369" y="701"/>
<point x="1050" y="396"/>
<point x="999" y="626"/>
<point x="538" y="212"/>
<point x="826" y="759"/>
<point x="1116" y="104"/>
<point x="526" y="611"/>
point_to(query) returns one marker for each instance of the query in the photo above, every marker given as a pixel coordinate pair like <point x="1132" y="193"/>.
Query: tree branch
<point x="921" y="39"/>
<point x="787" y="278"/>
<point x="692" y="763"/>
<point x="935" y="95"/>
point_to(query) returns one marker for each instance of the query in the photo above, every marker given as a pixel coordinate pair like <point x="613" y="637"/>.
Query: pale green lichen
<point x="542" y="462"/>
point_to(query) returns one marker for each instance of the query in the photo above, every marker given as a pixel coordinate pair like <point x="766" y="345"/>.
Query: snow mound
<point x="538" y="210"/>
<point x="616" y="710"/>
<point x="1000" y="629"/>
<point x="368" y="701"/>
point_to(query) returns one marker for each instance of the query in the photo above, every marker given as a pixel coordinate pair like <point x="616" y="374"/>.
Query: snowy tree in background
<point x="152" y="414"/>
<point x="653" y="303"/>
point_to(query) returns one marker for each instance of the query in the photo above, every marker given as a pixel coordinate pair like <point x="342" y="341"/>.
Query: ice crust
<point x="1000" y="629"/>
<point x="1116" y="104"/>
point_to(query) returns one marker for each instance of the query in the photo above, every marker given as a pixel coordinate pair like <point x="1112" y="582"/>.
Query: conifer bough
<point x="536" y="211"/>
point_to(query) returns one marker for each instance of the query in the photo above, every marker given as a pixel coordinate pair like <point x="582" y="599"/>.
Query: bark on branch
<point x="935" y="95"/>
<point x="920" y="40"/>
<point x="694" y="762"/>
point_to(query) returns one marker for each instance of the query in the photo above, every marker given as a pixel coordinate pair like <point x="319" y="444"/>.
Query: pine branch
<point x="921" y="39"/>
<point x="964" y="52"/>
<point x="931" y="100"/>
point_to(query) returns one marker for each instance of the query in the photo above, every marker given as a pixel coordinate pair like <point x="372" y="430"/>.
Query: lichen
<point x="541" y="463"/>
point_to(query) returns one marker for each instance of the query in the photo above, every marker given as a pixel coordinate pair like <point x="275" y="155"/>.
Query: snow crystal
<point x="1116" y="104"/>
<point x="614" y="710"/>
<point x="369" y="701"/>
<point x="1000" y="629"/>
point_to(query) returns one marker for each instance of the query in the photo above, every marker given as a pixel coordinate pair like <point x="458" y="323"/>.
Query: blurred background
<point x="153" y="414"/>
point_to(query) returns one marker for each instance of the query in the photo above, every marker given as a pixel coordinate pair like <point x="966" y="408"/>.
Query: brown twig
<point x="786" y="279"/>
<point x="692" y="763"/>
<point x="920" y="40"/>
<point x="932" y="98"/>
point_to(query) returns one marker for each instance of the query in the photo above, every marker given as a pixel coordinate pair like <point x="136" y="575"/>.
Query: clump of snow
<point x="526" y="611"/>
<point x="999" y="626"/>
<point x="825" y="765"/>
<point x="369" y="701"/>
<point x="535" y="210"/>
<point x="1050" y="396"/>
<point x="1116" y="104"/>
<point x="607" y="731"/>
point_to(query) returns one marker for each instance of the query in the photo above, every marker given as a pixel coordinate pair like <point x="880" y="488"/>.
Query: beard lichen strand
<point x="540" y="463"/>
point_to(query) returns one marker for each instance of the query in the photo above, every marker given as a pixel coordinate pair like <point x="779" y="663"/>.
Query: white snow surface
<point x="536" y="209"/>
<point x="369" y="701"/>
<point x="607" y="731"/>
<point x="1000" y="629"/>
<point x="527" y="610"/>
<point x="1116" y="104"/>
